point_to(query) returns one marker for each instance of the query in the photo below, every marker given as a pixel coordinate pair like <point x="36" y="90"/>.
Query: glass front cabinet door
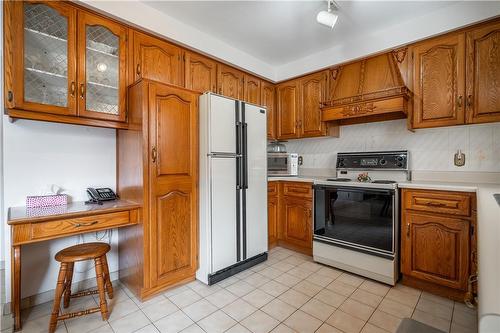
<point x="43" y="57"/>
<point x="101" y="68"/>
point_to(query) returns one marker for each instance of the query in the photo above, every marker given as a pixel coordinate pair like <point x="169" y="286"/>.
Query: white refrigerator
<point x="233" y="187"/>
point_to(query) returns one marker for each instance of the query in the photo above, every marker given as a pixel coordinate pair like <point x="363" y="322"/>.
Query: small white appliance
<point x="283" y="164"/>
<point x="233" y="187"/>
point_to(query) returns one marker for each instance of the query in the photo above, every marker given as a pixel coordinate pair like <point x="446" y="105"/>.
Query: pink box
<point x="46" y="200"/>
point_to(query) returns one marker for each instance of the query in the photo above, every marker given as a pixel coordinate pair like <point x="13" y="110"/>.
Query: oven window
<point x="277" y="163"/>
<point x="355" y="216"/>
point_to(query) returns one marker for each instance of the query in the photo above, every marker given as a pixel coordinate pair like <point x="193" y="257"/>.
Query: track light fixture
<point x="328" y="18"/>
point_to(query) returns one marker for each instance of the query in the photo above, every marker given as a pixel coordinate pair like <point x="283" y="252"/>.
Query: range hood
<point x="368" y="90"/>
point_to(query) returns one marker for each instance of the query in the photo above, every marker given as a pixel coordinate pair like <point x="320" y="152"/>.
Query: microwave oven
<point x="282" y="164"/>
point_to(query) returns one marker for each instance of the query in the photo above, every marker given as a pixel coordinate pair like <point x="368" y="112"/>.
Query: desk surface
<point x="21" y="215"/>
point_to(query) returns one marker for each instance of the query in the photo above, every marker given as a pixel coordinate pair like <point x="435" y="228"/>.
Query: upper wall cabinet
<point x="287" y="110"/>
<point x="156" y="60"/>
<point x="200" y="73"/>
<point x="230" y="81"/>
<point x="312" y="94"/>
<point x="483" y="74"/>
<point x="64" y="64"/>
<point x="439" y="82"/>
<point x="252" y="89"/>
<point x="268" y="99"/>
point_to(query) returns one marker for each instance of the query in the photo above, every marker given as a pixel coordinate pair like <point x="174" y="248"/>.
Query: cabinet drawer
<point x="444" y="202"/>
<point x="272" y="188"/>
<point x="302" y="190"/>
<point x="76" y="225"/>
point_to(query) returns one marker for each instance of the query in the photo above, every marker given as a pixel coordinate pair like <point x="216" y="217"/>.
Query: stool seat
<point x="82" y="252"/>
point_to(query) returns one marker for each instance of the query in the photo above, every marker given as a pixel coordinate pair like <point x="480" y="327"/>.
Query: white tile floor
<point x="287" y="293"/>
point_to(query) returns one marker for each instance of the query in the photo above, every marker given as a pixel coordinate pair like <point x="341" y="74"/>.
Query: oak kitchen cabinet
<point x="456" y="78"/>
<point x="157" y="161"/>
<point x="155" y="59"/>
<point x="64" y="64"/>
<point x="200" y="73"/>
<point x="252" y="89"/>
<point x="230" y="81"/>
<point x="290" y="215"/>
<point x="298" y="107"/>
<point x="268" y="99"/>
<point x="438" y="246"/>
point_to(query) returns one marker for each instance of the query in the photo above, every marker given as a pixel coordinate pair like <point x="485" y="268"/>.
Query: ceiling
<point x="279" y="32"/>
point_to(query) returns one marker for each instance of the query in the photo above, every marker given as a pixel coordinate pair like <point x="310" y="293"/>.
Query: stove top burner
<point x="383" y="181"/>
<point x="339" y="179"/>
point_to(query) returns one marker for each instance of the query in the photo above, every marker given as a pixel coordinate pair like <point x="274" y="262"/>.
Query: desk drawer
<point x="297" y="189"/>
<point x="77" y="225"/>
<point x="441" y="202"/>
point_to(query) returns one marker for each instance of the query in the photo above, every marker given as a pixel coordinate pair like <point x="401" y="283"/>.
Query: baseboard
<point x="48" y="295"/>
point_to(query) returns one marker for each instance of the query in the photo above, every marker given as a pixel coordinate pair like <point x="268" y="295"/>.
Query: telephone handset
<point x="98" y="195"/>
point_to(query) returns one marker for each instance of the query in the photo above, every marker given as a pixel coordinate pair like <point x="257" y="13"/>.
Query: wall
<point x="430" y="149"/>
<point x="37" y="154"/>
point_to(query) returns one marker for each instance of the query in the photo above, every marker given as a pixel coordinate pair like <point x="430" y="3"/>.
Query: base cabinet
<point x="272" y="217"/>
<point x="436" y="247"/>
<point x="296" y="221"/>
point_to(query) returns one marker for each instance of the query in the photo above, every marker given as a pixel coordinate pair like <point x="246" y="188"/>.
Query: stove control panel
<point x="391" y="160"/>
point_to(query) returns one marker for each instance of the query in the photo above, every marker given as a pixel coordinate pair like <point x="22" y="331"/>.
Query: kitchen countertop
<point x="488" y="236"/>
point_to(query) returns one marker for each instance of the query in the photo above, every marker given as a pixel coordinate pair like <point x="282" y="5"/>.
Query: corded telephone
<point x="98" y="195"/>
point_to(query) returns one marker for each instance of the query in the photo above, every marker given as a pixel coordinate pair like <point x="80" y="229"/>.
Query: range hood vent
<point x="368" y="90"/>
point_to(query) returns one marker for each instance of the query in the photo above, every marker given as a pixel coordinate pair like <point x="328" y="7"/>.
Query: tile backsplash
<point x="430" y="149"/>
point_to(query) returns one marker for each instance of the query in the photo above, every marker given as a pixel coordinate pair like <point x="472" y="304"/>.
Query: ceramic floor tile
<point x="403" y="297"/>
<point x="366" y="297"/>
<point x="199" y="310"/>
<point x="259" y="322"/>
<point x="438" y="309"/>
<point x="325" y="328"/>
<point x="159" y="309"/>
<point x="239" y="309"/>
<point x="278" y="309"/>
<point x="240" y="288"/>
<point x="300" y="272"/>
<point x="283" y="266"/>
<point x="455" y="328"/>
<point x="217" y="322"/>
<point x="385" y="321"/>
<point x="294" y="298"/>
<point x="465" y="318"/>
<point x="274" y="288"/>
<point x="345" y="322"/>
<point x="288" y="279"/>
<point x="238" y="329"/>
<point x="119" y="295"/>
<point x="329" y="297"/>
<point x="244" y="274"/>
<point x="351" y="279"/>
<point x="221" y="298"/>
<point x="258" y="298"/>
<point x="308" y="288"/>
<point x="357" y="309"/>
<point x="370" y="328"/>
<point x="107" y="329"/>
<point x="407" y="289"/>
<point x="37" y="311"/>
<point x="271" y="272"/>
<point x="149" y="329"/>
<point x="437" y="299"/>
<point x="294" y="260"/>
<point x="41" y="325"/>
<point x="375" y="288"/>
<point x="173" y="323"/>
<point x="120" y="310"/>
<point x="329" y="272"/>
<point x="130" y="323"/>
<point x="202" y="289"/>
<point x="227" y="282"/>
<point x="83" y="324"/>
<point x="432" y="320"/>
<point x="341" y="288"/>
<point x="186" y="298"/>
<point x="257" y="279"/>
<point x="396" y="309"/>
<point x="320" y="280"/>
<point x="310" y="266"/>
<point x="282" y="328"/>
<point x="303" y="322"/>
<point x="318" y="309"/>
<point x="175" y="291"/>
<point x="148" y="302"/>
<point x="259" y="267"/>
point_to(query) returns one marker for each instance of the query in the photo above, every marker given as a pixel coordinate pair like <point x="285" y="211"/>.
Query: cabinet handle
<point x="10" y="96"/>
<point x="310" y="212"/>
<point x="408" y="229"/>
<point x="300" y="123"/>
<point x="220" y="91"/>
<point x="138" y="69"/>
<point x="82" y="91"/>
<point x="435" y="204"/>
<point x="469" y="101"/>
<point x="72" y="89"/>
<point x="153" y="154"/>
<point x="78" y="225"/>
<point x="459" y="101"/>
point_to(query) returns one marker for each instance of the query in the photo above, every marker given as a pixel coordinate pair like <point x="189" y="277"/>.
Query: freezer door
<point x="222" y="125"/>
<point x="256" y="181"/>
<point x="223" y="208"/>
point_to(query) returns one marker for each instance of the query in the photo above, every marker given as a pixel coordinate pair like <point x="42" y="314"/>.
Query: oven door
<point x="361" y="219"/>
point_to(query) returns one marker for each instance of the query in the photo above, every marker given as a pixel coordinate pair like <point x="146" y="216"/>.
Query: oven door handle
<point x="353" y="189"/>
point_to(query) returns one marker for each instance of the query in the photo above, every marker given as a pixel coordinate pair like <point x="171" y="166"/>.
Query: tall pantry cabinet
<point x="158" y="166"/>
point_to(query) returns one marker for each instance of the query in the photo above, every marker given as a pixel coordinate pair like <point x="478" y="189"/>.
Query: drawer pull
<point x="407" y="229"/>
<point x="435" y="204"/>
<point x="78" y="225"/>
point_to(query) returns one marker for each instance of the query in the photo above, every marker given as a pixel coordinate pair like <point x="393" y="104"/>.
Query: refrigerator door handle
<point x="245" y="157"/>
<point x="223" y="155"/>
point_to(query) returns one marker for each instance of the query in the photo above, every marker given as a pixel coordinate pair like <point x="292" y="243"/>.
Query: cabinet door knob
<point x="10" y="96"/>
<point x="459" y="101"/>
<point x="138" y="69"/>
<point x="408" y="229"/>
<point x="469" y="101"/>
<point x="82" y="91"/>
<point x="153" y="154"/>
<point x="72" y="89"/>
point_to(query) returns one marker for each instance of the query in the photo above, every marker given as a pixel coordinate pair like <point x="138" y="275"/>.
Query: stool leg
<point x="69" y="280"/>
<point x="57" y="297"/>
<point x="107" y="279"/>
<point x="100" y="286"/>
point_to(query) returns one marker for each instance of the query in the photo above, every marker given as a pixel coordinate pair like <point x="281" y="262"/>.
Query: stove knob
<point x="383" y="162"/>
<point x="399" y="165"/>
<point x="399" y="158"/>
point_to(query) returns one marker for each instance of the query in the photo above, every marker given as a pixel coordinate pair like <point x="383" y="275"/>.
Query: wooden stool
<point x="67" y="258"/>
